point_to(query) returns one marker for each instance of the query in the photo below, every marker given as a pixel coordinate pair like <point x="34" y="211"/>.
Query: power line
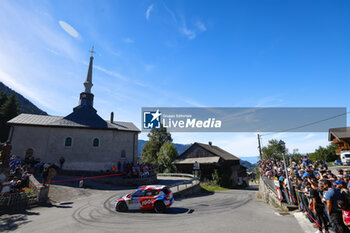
<point x="308" y="124"/>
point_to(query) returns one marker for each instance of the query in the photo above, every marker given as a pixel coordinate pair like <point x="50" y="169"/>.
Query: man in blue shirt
<point x="330" y="198"/>
<point x="306" y="161"/>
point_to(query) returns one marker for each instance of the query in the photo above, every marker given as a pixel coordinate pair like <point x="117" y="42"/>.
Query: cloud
<point x="149" y="67"/>
<point x="187" y="32"/>
<point x="201" y="26"/>
<point x="118" y="75"/>
<point x="128" y="40"/>
<point x="148" y="11"/>
<point x="269" y="101"/>
<point x="310" y="135"/>
<point x="69" y="29"/>
<point x="111" y="73"/>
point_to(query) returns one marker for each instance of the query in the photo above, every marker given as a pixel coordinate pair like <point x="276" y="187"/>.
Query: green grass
<point x="210" y="187"/>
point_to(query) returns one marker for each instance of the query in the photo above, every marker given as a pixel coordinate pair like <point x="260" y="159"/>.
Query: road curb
<point x="304" y="223"/>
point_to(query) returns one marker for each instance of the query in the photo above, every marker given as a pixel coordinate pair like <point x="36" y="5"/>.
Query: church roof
<point x="72" y="122"/>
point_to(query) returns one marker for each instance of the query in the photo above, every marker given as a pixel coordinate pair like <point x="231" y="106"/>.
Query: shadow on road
<point x="168" y="211"/>
<point x="11" y="221"/>
<point x="203" y="193"/>
<point x="61" y="205"/>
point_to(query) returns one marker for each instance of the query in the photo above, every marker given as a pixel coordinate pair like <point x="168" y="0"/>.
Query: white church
<point x="83" y="138"/>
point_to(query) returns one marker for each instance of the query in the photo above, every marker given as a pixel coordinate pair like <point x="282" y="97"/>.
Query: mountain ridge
<point x="24" y="105"/>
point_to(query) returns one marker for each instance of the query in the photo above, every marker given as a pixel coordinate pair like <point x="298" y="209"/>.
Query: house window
<point x="68" y="142"/>
<point x="96" y="142"/>
<point x="123" y="154"/>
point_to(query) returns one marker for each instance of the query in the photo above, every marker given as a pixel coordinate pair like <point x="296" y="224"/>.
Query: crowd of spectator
<point x="321" y="194"/>
<point x="15" y="178"/>
<point x="139" y="170"/>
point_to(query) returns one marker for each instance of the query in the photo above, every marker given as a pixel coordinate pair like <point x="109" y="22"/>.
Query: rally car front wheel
<point x="159" y="207"/>
<point x="121" y="207"/>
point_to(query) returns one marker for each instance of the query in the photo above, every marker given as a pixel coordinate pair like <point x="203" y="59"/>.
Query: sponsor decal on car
<point x="146" y="202"/>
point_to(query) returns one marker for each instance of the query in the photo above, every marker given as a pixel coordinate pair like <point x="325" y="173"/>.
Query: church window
<point x="123" y="154"/>
<point x="96" y="142"/>
<point x="68" y="141"/>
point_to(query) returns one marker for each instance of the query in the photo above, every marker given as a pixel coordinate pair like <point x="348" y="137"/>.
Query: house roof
<point x="71" y="122"/>
<point x="202" y="160"/>
<point x="220" y="153"/>
<point x="339" y="133"/>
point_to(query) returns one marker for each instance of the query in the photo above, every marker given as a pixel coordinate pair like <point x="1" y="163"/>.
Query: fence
<point x="25" y="199"/>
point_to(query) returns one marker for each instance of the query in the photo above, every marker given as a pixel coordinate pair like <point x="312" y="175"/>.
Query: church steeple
<point x="88" y="83"/>
<point x="86" y="97"/>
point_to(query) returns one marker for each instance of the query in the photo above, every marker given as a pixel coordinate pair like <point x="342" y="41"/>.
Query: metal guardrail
<point x="176" y="187"/>
<point x="176" y="175"/>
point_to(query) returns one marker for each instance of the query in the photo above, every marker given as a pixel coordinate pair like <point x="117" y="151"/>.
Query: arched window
<point x="96" y="142"/>
<point x="123" y="154"/>
<point x="68" y="141"/>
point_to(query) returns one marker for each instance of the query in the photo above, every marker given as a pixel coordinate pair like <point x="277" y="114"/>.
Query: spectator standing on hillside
<point x="330" y="199"/>
<point x="45" y="173"/>
<point x="316" y="206"/>
<point x="345" y="208"/>
<point x="119" y="166"/>
<point x="306" y="161"/>
<point x="62" y="160"/>
<point x="5" y="154"/>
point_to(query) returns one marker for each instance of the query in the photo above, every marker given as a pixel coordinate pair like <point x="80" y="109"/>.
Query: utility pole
<point x="283" y="144"/>
<point x="259" y="146"/>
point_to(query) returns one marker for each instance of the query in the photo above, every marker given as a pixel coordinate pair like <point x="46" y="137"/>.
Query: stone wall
<point x="189" y="190"/>
<point x="268" y="194"/>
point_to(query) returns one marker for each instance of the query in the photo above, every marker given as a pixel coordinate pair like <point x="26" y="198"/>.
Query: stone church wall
<point x="49" y="145"/>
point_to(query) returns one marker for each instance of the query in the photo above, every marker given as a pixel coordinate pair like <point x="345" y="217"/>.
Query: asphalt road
<point x="92" y="210"/>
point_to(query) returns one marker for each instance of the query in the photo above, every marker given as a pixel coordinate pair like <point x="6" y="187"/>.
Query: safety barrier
<point x="27" y="198"/>
<point x="184" y="187"/>
<point x="176" y="175"/>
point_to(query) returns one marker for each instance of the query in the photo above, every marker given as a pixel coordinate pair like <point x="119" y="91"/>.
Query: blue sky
<point x="183" y="54"/>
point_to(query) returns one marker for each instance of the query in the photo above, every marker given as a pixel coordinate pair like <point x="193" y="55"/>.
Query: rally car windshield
<point x="138" y="193"/>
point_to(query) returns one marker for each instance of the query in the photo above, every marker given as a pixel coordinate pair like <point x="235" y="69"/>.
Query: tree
<point x="325" y="153"/>
<point x="3" y="98"/>
<point x="273" y="150"/>
<point x="166" y="155"/>
<point x="8" y="110"/>
<point x="157" y="137"/>
<point x="296" y="156"/>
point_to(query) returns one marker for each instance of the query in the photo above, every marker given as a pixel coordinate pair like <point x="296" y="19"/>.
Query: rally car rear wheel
<point x="121" y="207"/>
<point x="159" y="207"/>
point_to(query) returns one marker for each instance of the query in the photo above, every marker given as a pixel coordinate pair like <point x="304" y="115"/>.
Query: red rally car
<point x="157" y="197"/>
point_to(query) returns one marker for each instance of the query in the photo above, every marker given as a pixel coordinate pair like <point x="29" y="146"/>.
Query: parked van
<point x="345" y="157"/>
